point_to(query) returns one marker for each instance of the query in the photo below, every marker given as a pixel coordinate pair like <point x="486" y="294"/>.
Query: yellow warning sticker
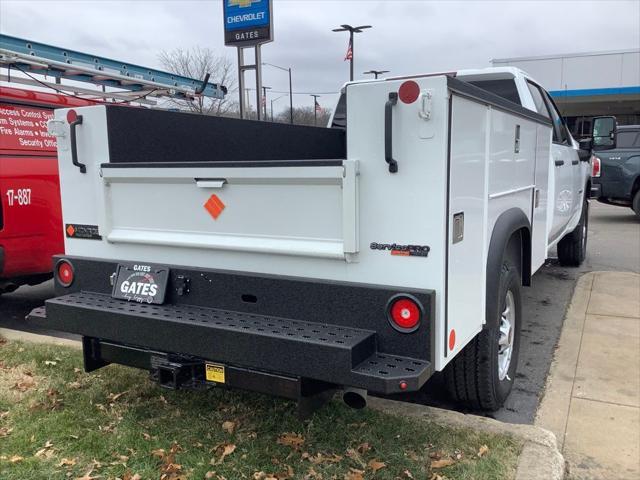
<point x="214" y="372"/>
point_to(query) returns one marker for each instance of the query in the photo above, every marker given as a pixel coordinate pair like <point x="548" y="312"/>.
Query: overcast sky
<point x="407" y="36"/>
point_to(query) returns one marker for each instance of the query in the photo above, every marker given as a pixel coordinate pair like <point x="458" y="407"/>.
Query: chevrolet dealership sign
<point x="247" y="22"/>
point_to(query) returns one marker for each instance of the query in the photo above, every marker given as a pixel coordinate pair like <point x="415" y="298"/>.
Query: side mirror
<point x="604" y="132"/>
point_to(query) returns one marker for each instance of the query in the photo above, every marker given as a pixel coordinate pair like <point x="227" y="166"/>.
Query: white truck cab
<point x="296" y="260"/>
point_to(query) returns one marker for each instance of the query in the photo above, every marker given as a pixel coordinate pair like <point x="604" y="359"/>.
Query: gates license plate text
<point x="141" y="283"/>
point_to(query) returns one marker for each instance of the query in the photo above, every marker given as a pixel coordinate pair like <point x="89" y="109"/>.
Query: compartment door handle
<point x="388" y="131"/>
<point x="74" y="146"/>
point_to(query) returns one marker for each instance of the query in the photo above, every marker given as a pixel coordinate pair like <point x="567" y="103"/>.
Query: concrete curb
<point x="539" y="459"/>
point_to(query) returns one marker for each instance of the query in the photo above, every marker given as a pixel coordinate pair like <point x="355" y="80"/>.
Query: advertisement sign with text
<point x="247" y="22"/>
<point x="25" y="128"/>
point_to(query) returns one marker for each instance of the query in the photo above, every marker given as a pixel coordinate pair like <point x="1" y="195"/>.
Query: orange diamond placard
<point x="214" y="206"/>
<point x="70" y="230"/>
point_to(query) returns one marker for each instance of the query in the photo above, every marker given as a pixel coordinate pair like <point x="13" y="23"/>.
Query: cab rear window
<point x="505" y="88"/>
<point x="628" y="139"/>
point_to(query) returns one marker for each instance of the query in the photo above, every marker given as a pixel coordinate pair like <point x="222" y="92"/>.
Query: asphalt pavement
<point x="614" y="244"/>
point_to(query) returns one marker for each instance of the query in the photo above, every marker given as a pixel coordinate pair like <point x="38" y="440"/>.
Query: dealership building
<point x="585" y="85"/>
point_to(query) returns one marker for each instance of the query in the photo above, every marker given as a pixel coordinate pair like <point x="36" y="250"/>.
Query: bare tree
<point x="196" y="63"/>
<point x="305" y="116"/>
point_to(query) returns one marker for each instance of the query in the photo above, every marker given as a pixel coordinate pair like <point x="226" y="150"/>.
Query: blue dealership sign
<point x="247" y="22"/>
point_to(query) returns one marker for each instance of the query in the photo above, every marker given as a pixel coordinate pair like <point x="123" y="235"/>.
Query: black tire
<point x="572" y="249"/>
<point x="636" y="204"/>
<point x="473" y="377"/>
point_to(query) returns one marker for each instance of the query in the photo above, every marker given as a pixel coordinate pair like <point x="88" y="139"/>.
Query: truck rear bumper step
<point x="325" y="352"/>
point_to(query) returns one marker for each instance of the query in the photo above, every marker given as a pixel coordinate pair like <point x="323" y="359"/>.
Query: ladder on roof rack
<point x="39" y="58"/>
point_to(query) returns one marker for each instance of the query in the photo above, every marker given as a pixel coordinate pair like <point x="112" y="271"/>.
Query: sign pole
<point x="241" y="81"/>
<point x="258" y="66"/>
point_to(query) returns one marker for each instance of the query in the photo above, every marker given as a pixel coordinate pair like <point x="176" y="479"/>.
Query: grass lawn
<point x="56" y="422"/>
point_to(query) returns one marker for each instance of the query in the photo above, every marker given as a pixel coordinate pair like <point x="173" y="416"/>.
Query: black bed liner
<point x="137" y="135"/>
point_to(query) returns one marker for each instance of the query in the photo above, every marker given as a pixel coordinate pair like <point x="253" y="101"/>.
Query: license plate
<point x="141" y="283"/>
<point x="214" y="372"/>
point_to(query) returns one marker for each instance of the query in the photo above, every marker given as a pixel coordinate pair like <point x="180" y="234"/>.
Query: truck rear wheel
<point x="572" y="249"/>
<point x="636" y="204"/>
<point x="481" y="375"/>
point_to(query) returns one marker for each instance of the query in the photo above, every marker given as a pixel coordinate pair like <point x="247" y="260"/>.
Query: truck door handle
<point x="74" y="146"/>
<point x="388" y="131"/>
<point x="575" y="162"/>
<point x="210" y="182"/>
<point x="559" y="163"/>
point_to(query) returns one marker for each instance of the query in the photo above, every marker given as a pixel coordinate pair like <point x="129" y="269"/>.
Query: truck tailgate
<point x="302" y="209"/>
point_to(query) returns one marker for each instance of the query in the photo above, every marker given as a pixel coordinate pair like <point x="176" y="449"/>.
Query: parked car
<point x="295" y="260"/>
<point x="30" y="216"/>
<point x="616" y="164"/>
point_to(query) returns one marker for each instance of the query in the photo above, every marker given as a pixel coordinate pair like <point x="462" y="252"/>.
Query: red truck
<point x="30" y="216"/>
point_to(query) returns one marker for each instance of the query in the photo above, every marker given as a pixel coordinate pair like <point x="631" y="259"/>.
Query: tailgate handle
<point x="210" y="182"/>
<point x="74" y="146"/>
<point x="388" y="131"/>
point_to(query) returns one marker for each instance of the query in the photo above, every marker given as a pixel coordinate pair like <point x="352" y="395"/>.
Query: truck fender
<point x="511" y="222"/>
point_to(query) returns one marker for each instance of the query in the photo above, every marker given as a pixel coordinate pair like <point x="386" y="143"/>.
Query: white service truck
<point x="295" y="260"/>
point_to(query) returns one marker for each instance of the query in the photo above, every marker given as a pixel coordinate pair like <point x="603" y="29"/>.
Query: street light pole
<point x="290" y="88"/>
<point x="351" y="30"/>
<point x="275" y="100"/>
<point x="315" y="110"/>
<point x="375" y="72"/>
<point x="264" y="100"/>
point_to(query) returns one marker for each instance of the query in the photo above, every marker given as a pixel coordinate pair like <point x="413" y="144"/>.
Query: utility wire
<point x="66" y="94"/>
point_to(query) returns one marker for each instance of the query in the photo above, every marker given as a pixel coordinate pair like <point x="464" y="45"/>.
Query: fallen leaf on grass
<point x="222" y="450"/>
<point x="445" y="462"/>
<point x="5" y="431"/>
<point x="88" y="476"/>
<point x="364" y="447"/>
<point x="4" y="414"/>
<point x="263" y="476"/>
<point x="293" y="440"/>
<point x="67" y="462"/>
<point x="483" y="450"/>
<point x="354" y="474"/>
<point x="355" y="456"/>
<point x="160" y="452"/>
<point x="408" y="474"/>
<point x="320" y="458"/>
<point x="16" y="459"/>
<point x="113" y="397"/>
<point x="129" y="476"/>
<point x="50" y="363"/>
<point x="25" y="383"/>
<point x="375" y="465"/>
<point x="229" y="426"/>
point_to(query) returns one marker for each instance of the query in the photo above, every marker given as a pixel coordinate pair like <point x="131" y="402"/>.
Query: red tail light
<point x="405" y="313"/>
<point x="595" y="166"/>
<point x="64" y="273"/>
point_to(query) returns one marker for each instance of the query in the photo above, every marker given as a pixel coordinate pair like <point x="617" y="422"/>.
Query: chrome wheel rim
<point x="506" y="335"/>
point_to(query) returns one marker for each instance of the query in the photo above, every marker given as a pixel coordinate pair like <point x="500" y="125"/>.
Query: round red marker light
<point x="452" y="339"/>
<point x="405" y="313"/>
<point x="403" y="385"/>
<point x="409" y="91"/>
<point x="72" y="116"/>
<point x="65" y="274"/>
